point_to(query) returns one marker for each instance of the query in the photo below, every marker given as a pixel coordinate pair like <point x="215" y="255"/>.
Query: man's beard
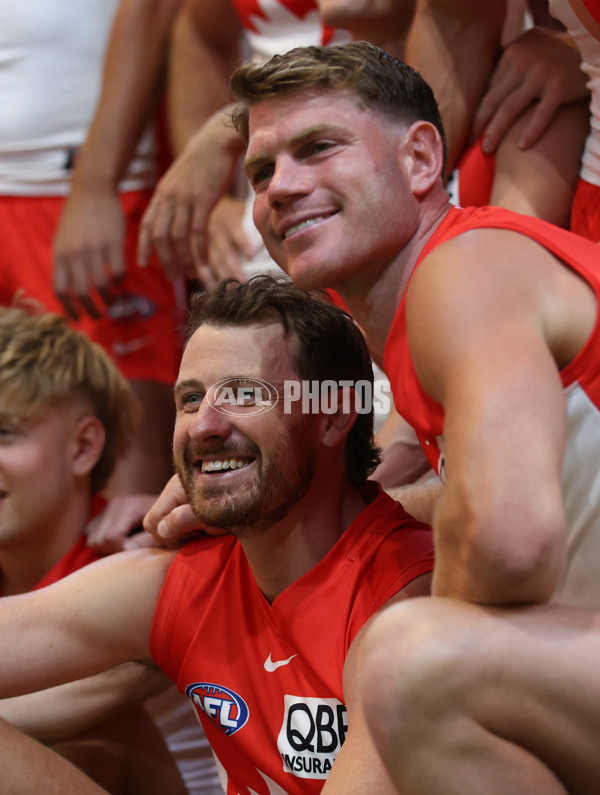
<point x="249" y="509"/>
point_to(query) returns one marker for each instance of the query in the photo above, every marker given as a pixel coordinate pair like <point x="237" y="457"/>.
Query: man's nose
<point x="209" y="423"/>
<point x="290" y="179"/>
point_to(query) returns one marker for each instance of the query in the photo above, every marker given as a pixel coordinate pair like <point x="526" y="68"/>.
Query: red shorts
<point x="585" y="212"/>
<point x="140" y="329"/>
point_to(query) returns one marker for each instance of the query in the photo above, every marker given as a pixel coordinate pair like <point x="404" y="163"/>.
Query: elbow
<point x="498" y="560"/>
<point x="529" y="569"/>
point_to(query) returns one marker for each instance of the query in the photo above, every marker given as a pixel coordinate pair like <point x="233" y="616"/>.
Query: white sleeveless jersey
<point x="589" y="48"/>
<point x="51" y="62"/>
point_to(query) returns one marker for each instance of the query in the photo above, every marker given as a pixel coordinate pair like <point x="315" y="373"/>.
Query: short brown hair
<point x="45" y="362"/>
<point x="379" y="81"/>
<point x="329" y="344"/>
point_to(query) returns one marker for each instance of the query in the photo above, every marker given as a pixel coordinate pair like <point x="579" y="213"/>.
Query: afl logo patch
<point x="224" y="707"/>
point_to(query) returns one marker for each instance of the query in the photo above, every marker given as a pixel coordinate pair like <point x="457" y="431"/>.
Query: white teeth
<point x="230" y="463"/>
<point x="302" y="224"/>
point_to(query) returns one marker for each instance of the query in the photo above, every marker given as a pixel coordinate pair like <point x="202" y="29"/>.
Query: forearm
<point x="381" y="22"/>
<point x="508" y="556"/>
<point x="60" y="712"/>
<point x="205" y="48"/>
<point x="132" y="83"/>
<point x="454" y="44"/>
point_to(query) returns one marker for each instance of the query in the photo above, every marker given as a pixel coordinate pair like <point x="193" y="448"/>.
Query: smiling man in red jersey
<point x="260" y="627"/>
<point x="486" y="323"/>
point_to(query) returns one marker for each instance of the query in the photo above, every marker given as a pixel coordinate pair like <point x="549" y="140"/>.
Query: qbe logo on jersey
<point x="311" y="735"/>
<point x="224" y="707"/>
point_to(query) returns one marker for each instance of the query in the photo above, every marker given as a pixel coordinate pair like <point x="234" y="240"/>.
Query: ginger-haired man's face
<point x="332" y="200"/>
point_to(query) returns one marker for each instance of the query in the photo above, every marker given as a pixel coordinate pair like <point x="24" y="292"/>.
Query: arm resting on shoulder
<point x="486" y="352"/>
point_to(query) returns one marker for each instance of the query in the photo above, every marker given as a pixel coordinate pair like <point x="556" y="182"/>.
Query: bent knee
<point x="420" y="658"/>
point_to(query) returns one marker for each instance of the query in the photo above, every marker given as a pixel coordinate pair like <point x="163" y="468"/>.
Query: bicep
<point x="88" y="622"/>
<point x="483" y="355"/>
<point x="477" y="330"/>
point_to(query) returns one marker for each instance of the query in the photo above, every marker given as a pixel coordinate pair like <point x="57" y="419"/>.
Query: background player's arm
<point x="454" y="44"/>
<point x="205" y="50"/>
<point x="91" y="233"/>
<point x="482" y="349"/>
<point x="382" y="22"/>
<point x="62" y="711"/>
<point x="88" y="622"/>
<point x="358" y="767"/>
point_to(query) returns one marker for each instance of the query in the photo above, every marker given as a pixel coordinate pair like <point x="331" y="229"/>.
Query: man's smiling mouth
<point x="224" y="464"/>
<point x="303" y="224"/>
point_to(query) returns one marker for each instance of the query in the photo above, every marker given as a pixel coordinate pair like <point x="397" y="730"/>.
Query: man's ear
<point x="423" y="154"/>
<point x="88" y="441"/>
<point x="338" y="424"/>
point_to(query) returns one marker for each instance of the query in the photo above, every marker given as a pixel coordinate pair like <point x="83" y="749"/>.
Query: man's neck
<point x="289" y="549"/>
<point x="372" y="297"/>
<point x="25" y="562"/>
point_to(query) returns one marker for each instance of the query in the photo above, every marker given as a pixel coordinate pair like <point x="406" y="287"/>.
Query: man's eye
<point x="316" y="147"/>
<point x="261" y="175"/>
<point x="191" y="401"/>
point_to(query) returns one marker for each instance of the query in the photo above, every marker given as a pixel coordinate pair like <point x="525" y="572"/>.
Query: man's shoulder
<point x="395" y="543"/>
<point x="196" y="566"/>
<point x="147" y="564"/>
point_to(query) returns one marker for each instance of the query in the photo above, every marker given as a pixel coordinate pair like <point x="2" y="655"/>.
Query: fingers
<point x="178" y="525"/>
<point x="119" y="526"/>
<point x="539" y="123"/>
<point x="540" y="69"/>
<point x="171" y="518"/>
<point x="228" y="243"/>
<point x="89" y="253"/>
<point x="175" y="223"/>
<point x="505" y="116"/>
<point x="72" y="286"/>
<point x="173" y="226"/>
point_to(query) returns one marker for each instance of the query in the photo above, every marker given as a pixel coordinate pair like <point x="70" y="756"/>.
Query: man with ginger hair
<point x="485" y="322"/>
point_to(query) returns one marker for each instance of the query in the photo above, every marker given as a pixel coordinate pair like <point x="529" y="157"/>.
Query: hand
<point x="539" y="67"/>
<point x="88" y="250"/>
<point x="171" y="518"/>
<point x="119" y="526"/>
<point x="228" y="245"/>
<point x="176" y="221"/>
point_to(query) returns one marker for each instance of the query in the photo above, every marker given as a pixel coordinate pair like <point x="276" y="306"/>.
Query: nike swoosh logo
<point x="271" y="666"/>
<point x="124" y="348"/>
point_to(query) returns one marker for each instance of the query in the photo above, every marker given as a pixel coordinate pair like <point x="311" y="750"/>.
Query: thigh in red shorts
<point x="141" y="327"/>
